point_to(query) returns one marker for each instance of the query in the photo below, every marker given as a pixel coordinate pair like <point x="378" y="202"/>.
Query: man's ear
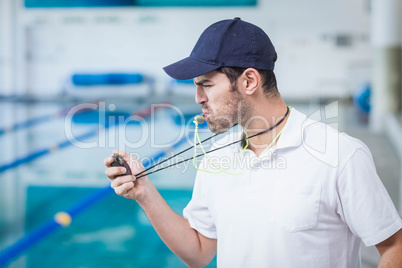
<point x="251" y="81"/>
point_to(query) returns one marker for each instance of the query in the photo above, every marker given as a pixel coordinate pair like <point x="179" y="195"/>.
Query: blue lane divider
<point x="106" y="79"/>
<point x="174" y="82"/>
<point x="61" y="145"/>
<point x="41" y="119"/>
<point x="42" y="152"/>
<point x="188" y="81"/>
<point x="10" y="253"/>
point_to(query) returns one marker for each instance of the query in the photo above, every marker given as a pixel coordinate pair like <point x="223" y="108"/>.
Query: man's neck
<point x="265" y="116"/>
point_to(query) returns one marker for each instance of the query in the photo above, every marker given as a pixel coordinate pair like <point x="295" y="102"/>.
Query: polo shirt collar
<point x="292" y="132"/>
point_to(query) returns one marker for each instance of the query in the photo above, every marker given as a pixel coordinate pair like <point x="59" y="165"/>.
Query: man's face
<point x="223" y="105"/>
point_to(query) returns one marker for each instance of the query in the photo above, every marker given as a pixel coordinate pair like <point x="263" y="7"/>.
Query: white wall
<point x="6" y="47"/>
<point x="62" y="41"/>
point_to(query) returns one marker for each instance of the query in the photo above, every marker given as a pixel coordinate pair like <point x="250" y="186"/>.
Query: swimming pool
<point x="54" y="163"/>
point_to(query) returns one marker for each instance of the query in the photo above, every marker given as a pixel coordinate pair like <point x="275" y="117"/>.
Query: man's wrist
<point x="148" y="195"/>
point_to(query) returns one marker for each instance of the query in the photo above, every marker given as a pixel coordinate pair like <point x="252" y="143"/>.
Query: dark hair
<point x="267" y="76"/>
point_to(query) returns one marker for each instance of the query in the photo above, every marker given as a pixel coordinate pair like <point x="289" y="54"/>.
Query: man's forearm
<point x="174" y="230"/>
<point x="392" y="258"/>
<point x="390" y="251"/>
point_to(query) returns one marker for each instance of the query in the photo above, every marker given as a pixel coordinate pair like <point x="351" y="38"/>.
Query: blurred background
<point x="80" y="78"/>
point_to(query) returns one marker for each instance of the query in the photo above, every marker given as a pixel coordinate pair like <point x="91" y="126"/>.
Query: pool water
<point x="114" y="231"/>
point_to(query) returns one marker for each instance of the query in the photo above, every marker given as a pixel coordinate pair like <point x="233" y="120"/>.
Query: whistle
<point x="199" y="118"/>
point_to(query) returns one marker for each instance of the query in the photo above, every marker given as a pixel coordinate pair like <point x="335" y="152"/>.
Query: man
<point x="313" y="210"/>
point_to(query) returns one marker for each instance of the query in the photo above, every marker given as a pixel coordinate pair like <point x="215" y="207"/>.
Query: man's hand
<point x="127" y="186"/>
<point x="193" y="248"/>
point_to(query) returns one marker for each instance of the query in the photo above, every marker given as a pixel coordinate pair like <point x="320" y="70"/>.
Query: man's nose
<point x="200" y="96"/>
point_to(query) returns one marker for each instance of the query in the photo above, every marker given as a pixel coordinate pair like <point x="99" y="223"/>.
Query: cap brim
<point x="188" y="68"/>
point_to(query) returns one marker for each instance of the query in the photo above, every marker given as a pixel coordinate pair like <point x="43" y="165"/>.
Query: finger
<point x="112" y="172"/>
<point x="120" y="181"/>
<point x="123" y="154"/>
<point x="108" y="161"/>
<point x="132" y="161"/>
<point x="124" y="188"/>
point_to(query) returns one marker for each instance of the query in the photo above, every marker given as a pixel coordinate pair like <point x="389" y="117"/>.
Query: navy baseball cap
<point x="232" y="43"/>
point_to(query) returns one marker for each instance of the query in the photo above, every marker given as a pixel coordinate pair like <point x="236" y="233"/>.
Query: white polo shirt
<point x="306" y="202"/>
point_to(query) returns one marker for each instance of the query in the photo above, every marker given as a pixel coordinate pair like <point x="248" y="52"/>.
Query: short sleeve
<point x="197" y="212"/>
<point x="363" y="201"/>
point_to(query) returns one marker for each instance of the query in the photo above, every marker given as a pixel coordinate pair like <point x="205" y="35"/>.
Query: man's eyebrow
<point x="201" y="82"/>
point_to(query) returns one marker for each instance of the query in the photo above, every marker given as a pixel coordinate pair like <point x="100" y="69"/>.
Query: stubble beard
<point x="235" y="110"/>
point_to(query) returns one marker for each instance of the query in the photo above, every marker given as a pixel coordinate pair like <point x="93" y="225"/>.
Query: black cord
<point x="269" y="129"/>
<point x="185" y="160"/>
<point x="157" y="164"/>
